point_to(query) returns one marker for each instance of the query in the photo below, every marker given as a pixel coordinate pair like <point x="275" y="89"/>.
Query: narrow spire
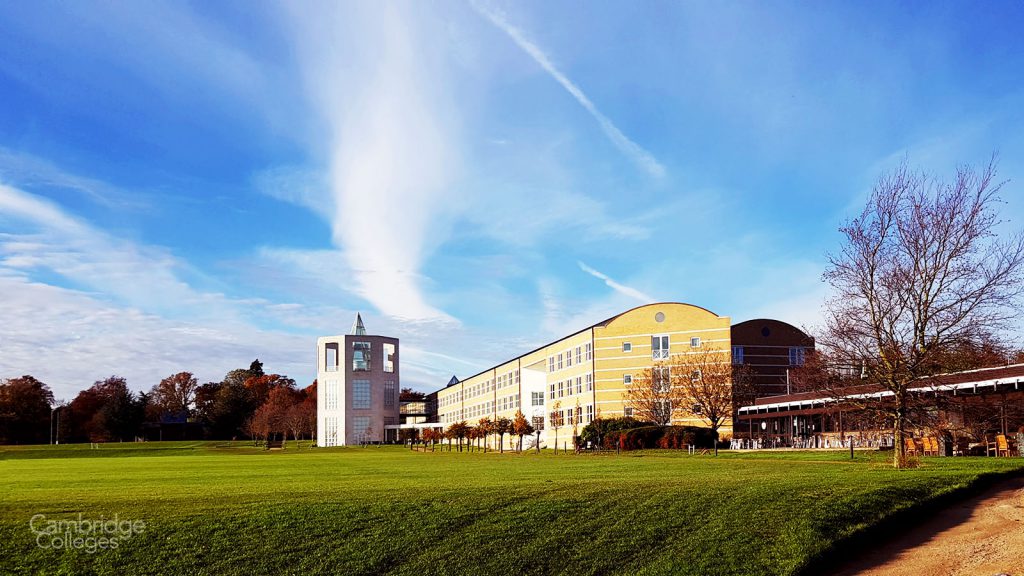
<point x="357" y="327"/>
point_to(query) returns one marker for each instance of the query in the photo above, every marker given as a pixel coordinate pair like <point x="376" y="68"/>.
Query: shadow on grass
<point x="922" y="521"/>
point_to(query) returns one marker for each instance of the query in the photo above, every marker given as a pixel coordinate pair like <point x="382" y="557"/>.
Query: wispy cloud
<point x="620" y="288"/>
<point x="641" y="157"/>
<point x="392" y="153"/>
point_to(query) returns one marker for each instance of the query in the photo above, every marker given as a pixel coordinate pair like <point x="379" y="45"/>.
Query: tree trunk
<point x="899" y="452"/>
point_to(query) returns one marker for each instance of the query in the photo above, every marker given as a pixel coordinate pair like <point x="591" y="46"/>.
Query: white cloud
<point x="638" y="155"/>
<point x="620" y="288"/>
<point x="392" y="154"/>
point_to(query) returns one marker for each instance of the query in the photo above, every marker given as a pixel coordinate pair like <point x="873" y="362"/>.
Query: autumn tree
<point x="486" y="427"/>
<point x="457" y="431"/>
<point x="175" y="394"/>
<point x="521" y="427"/>
<point x="921" y="270"/>
<point x="410" y="395"/>
<point x="25" y="411"/>
<point x="502" y="426"/>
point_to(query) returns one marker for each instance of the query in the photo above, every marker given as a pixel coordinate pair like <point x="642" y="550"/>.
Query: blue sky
<point x="191" y="186"/>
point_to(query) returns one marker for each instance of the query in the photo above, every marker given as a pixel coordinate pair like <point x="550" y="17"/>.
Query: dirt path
<point x="982" y="536"/>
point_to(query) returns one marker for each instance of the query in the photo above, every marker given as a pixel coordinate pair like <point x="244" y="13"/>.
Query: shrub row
<point x="659" y="437"/>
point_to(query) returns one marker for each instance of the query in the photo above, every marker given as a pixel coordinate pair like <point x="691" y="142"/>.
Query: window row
<point x="660" y="346"/>
<point x="570" y="386"/>
<point x="571" y="357"/>
<point x="571" y="416"/>
<point x="360" y="357"/>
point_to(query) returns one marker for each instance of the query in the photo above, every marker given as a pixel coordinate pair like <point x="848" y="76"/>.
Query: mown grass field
<point x="218" y="508"/>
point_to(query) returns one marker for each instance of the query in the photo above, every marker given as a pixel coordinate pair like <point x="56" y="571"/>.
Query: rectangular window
<point x="662" y="381"/>
<point x="568" y="358"/>
<point x="796" y="356"/>
<point x="627" y="346"/>
<point x="590" y="413"/>
<point x="360" y="356"/>
<point x="628" y="411"/>
<point x="695" y="342"/>
<point x="590" y="351"/>
<point x="627" y="379"/>
<point x="361" y="394"/>
<point x="559" y="361"/>
<point x="517" y="376"/>
<point x="389" y="357"/>
<point x="659" y="347"/>
<point x="579" y="384"/>
<point x="536" y="398"/>
<point x="561" y="390"/>
<point x="737" y="355"/>
<point x="390" y="394"/>
<point x="331" y="357"/>
<point x="361" y="428"/>
<point x="552" y="390"/>
<point x="579" y="355"/>
<point x="590" y="382"/>
<point x="551" y="363"/>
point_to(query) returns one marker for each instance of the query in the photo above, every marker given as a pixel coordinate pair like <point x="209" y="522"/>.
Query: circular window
<point x="659" y="317"/>
<point x="766" y="332"/>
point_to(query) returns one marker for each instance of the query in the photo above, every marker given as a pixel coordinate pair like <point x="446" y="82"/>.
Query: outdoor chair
<point x="911" y="446"/>
<point x="990" y="447"/>
<point x="1002" y="446"/>
<point x="931" y="446"/>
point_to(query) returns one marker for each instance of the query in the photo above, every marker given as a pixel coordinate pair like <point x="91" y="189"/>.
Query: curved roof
<point x="609" y="320"/>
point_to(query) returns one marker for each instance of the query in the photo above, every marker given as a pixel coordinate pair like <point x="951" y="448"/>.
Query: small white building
<point x="357" y="388"/>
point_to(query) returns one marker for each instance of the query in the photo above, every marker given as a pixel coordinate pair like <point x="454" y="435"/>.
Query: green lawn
<point x="221" y="508"/>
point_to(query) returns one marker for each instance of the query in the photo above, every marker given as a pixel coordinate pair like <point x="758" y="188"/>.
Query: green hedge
<point x="659" y="437"/>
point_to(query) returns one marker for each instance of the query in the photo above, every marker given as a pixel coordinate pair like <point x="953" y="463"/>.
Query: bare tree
<point x="651" y="395"/>
<point x="921" y="270"/>
<point x="706" y="385"/>
<point x="555" y="417"/>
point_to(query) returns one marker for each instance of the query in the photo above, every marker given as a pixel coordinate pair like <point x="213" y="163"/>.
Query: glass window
<point x="536" y="398"/>
<point x="579" y="384"/>
<point x="360" y="356"/>
<point x="628" y="411"/>
<point x="590" y="413"/>
<point x="579" y="355"/>
<point x="737" y="354"/>
<point x="796" y="356"/>
<point x="590" y="382"/>
<point x="561" y="389"/>
<point x="552" y="390"/>
<point x="389" y="357"/>
<point x="659" y="347"/>
<point x="551" y="363"/>
<point x="627" y="379"/>
<point x="559" y="361"/>
<point x="568" y="358"/>
<point x="331" y="357"/>
<point x="390" y="394"/>
<point x="662" y="381"/>
<point x="590" y="351"/>
<point x="695" y="342"/>
<point x="627" y="347"/>
<point x="361" y="428"/>
<point x="361" y="394"/>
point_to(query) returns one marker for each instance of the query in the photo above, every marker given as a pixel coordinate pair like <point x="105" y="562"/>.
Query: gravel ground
<point x="983" y="536"/>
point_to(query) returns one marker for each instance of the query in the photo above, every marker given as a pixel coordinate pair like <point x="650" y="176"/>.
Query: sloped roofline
<point x="602" y="324"/>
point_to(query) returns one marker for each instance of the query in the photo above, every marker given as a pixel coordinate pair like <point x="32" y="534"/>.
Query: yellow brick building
<point x="585" y="374"/>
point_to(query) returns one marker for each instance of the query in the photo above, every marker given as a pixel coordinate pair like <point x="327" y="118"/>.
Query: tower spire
<point x="357" y="327"/>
